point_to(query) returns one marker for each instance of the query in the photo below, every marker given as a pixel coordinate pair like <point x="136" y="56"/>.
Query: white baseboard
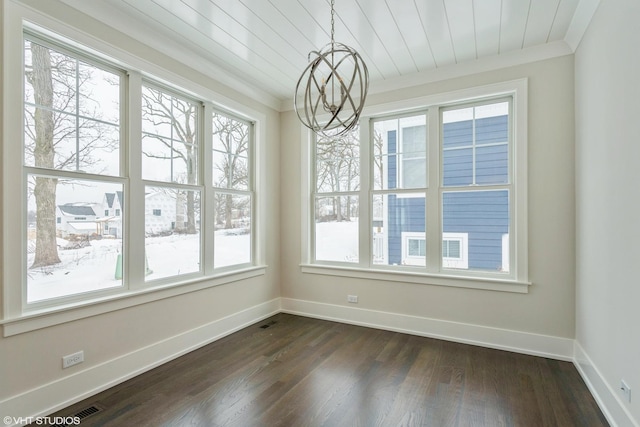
<point x="607" y="397"/>
<point x="502" y="339"/>
<point x="61" y="393"/>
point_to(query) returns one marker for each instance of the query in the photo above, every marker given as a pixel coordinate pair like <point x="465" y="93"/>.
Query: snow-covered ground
<point x="337" y="241"/>
<point x="95" y="267"/>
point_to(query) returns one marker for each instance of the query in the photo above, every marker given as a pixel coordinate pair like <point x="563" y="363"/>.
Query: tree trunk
<point x="191" y="179"/>
<point x="191" y="213"/>
<point x="180" y="208"/>
<point x="228" y="211"/>
<point x="45" y="189"/>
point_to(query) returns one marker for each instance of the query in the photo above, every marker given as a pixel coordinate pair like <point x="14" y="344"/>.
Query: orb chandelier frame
<point x="334" y="88"/>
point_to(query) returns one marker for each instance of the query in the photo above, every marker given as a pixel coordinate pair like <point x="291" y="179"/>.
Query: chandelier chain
<point x="332" y="23"/>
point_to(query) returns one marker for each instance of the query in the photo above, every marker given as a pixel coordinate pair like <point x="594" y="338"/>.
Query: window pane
<point x="399" y="153"/>
<point x="453" y="249"/>
<point x="338" y="162"/>
<point x="72" y="113"/>
<point x="457" y="128"/>
<point x="230" y="153"/>
<point x="475" y="145"/>
<point x="492" y="123"/>
<point x="482" y="217"/>
<point x="233" y="230"/>
<point x="172" y="232"/>
<point x="336" y="227"/>
<point x="416" y="247"/>
<point x="458" y="167"/>
<point x="74" y="244"/>
<point x="169" y="138"/>
<point x="399" y="220"/>
<point x="492" y="164"/>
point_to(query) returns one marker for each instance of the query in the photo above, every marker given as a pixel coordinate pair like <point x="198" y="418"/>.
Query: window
<point x="71" y="157"/>
<point x="414" y="248"/>
<point x="439" y="186"/>
<point x="475" y="197"/>
<point x="170" y="150"/>
<point x="399" y="187"/>
<point x="232" y="183"/>
<point x="455" y="250"/>
<point x="102" y="220"/>
<point x="336" y="200"/>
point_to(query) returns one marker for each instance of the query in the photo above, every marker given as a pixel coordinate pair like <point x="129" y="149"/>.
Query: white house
<point x="111" y="214"/>
<point x="76" y="219"/>
<point x="159" y="213"/>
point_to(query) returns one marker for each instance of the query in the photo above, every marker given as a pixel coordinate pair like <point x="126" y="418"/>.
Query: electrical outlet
<point x="72" y="359"/>
<point x="352" y="299"/>
<point x="626" y="390"/>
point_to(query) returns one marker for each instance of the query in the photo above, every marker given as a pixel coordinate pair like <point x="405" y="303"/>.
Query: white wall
<point x="607" y="65"/>
<point x="528" y="322"/>
<point x="121" y="343"/>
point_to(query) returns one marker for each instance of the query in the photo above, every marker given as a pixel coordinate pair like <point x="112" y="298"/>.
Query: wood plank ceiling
<point x="265" y="43"/>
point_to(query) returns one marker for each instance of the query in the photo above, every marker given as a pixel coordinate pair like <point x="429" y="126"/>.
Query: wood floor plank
<point x="296" y="371"/>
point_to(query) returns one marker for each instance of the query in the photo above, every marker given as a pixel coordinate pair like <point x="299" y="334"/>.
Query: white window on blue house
<point x="455" y="250"/>
<point x="414" y="248"/>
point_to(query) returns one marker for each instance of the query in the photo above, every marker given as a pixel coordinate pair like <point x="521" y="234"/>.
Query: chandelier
<point x="334" y="87"/>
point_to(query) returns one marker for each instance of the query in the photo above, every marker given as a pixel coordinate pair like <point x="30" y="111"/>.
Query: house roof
<point x="71" y="209"/>
<point x="111" y="197"/>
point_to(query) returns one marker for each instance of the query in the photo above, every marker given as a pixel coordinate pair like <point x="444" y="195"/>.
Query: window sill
<point x="41" y="318"/>
<point x="490" y="284"/>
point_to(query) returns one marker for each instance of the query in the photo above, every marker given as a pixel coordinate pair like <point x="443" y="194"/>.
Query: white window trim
<point x="15" y="319"/>
<point x="518" y="281"/>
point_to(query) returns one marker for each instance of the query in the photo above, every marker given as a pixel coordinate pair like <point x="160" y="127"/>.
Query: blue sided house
<point x="475" y="190"/>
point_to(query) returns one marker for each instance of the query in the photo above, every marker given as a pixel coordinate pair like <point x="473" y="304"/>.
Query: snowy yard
<point x="337" y="241"/>
<point x="94" y="267"/>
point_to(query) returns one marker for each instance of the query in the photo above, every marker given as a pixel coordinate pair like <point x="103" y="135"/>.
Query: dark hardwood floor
<point x="307" y="372"/>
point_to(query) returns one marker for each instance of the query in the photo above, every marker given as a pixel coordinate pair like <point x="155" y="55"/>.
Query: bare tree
<point x="162" y="109"/>
<point x="230" y="163"/>
<point x="338" y="170"/>
<point x="378" y="161"/>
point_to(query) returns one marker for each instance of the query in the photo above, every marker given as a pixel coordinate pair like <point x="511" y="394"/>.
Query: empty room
<point x="320" y="212"/>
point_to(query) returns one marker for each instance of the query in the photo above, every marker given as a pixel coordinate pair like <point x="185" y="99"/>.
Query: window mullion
<point x="134" y="245"/>
<point x="433" y="194"/>
<point x="207" y="216"/>
<point x="365" y="226"/>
